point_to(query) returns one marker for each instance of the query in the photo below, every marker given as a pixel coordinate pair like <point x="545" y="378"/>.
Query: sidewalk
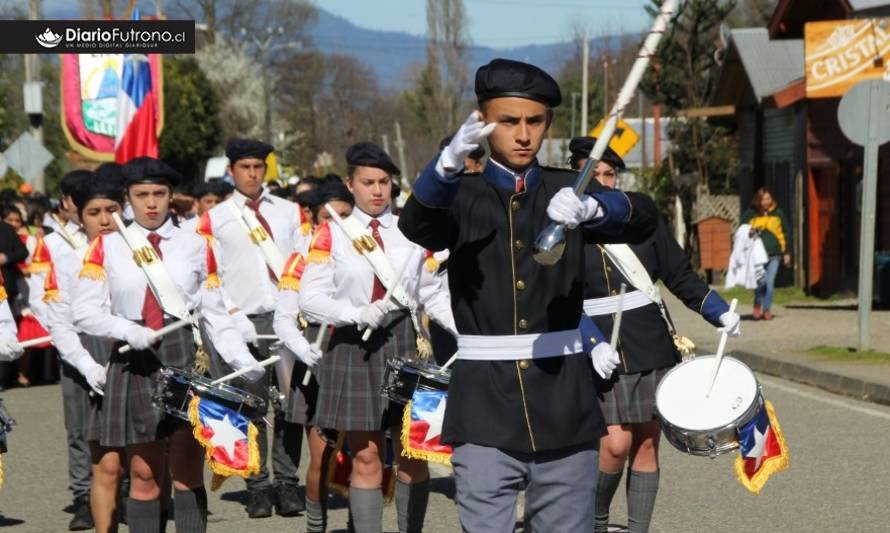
<point x="779" y="347"/>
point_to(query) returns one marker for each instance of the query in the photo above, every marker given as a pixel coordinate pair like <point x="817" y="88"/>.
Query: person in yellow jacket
<point x="769" y="221"/>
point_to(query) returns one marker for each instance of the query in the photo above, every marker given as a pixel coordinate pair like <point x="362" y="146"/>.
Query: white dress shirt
<point x="338" y="290"/>
<point x="58" y="248"/>
<point x="242" y="266"/>
<point x="8" y="328"/>
<point x="184" y="255"/>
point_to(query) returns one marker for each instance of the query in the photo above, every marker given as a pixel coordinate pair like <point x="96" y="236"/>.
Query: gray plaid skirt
<point x="87" y="405"/>
<point x="302" y="400"/>
<point x="630" y="398"/>
<point x="351" y="373"/>
<point x="127" y="415"/>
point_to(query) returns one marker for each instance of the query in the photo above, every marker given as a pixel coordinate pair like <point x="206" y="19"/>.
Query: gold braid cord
<point x="685" y="346"/>
<point x="202" y="361"/>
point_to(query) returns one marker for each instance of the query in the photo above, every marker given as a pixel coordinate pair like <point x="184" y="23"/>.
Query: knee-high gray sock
<point x="606" y="485"/>
<point x="366" y="506"/>
<point x="641" y="490"/>
<point x="315" y="519"/>
<point x="190" y="513"/>
<point x="411" y="502"/>
<point x="144" y="516"/>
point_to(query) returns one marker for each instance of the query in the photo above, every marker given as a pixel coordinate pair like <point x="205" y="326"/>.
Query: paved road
<point x="837" y="481"/>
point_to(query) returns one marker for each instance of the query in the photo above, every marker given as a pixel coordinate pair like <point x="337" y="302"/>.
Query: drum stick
<point x="267" y="337"/>
<point x="450" y="362"/>
<point x="238" y="373"/>
<point x="35" y="342"/>
<point x="617" y="325"/>
<point x="173" y="326"/>
<point x="368" y="330"/>
<point x="319" y="340"/>
<point x="720" y="349"/>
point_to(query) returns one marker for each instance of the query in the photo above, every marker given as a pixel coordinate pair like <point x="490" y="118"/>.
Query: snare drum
<point x="404" y="376"/>
<point x="700" y="425"/>
<point x="175" y="388"/>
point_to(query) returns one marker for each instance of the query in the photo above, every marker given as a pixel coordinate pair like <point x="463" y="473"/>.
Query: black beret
<point x="72" y="180"/>
<point x="505" y="77"/>
<point x="110" y="170"/>
<point x="240" y="148"/>
<point x="580" y="148"/>
<point x="149" y="170"/>
<point x="103" y="184"/>
<point x="333" y="190"/>
<point x="368" y="154"/>
<point x="215" y="187"/>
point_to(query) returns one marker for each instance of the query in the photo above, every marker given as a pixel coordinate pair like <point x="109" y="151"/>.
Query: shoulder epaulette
<point x="430" y="261"/>
<point x="3" y="295"/>
<point x="293" y="272"/>
<point x="41" y="261"/>
<point x="94" y="261"/>
<point x="212" y="269"/>
<point x="305" y="224"/>
<point x="51" y="292"/>
<point x="320" y="247"/>
<point x="204" y="228"/>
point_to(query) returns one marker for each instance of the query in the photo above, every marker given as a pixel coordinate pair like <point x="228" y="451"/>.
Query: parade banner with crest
<point x="841" y="53"/>
<point x="90" y="88"/>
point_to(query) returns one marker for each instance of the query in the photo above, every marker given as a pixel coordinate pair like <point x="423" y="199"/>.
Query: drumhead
<point x="680" y="398"/>
<point x="427" y="370"/>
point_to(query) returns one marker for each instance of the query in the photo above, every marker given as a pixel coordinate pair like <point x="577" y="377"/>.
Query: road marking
<point x="824" y="399"/>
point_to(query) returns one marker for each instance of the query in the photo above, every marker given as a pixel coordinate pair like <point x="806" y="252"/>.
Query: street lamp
<point x="265" y="48"/>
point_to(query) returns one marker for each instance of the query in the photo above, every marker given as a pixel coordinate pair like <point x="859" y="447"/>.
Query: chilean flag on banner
<point x="762" y="449"/>
<point x="422" y="427"/>
<point x="228" y="437"/>
<point x="137" y="112"/>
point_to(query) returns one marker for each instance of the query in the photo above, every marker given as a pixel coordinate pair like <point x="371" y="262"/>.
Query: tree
<point x="192" y="127"/>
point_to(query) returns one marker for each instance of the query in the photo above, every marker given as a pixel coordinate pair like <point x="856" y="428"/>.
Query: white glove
<point x="96" y="379"/>
<point x="732" y="324"/>
<point x="566" y="208"/>
<point x="10" y="349"/>
<point x="140" y="337"/>
<point x="604" y="359"/>
<point x="247" y="361"/>
<point x="372" y="315"/>
<point x="467" y="139"/>
<point x="312" y="355"/>
<point x="245" y="327"/>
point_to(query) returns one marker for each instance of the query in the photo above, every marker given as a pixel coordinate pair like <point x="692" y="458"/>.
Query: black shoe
<point x="83" y="518"/>
<point x="122" y="511"/>
<point x="288" y="501"/>
<point x="259" y="504"/>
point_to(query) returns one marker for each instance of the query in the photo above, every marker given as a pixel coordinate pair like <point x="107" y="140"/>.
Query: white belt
<point x="609" y="304"/>
<point x="516" y="347"/>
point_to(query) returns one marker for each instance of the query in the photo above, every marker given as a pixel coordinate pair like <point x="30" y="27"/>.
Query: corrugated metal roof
<point x="770" y="65"/>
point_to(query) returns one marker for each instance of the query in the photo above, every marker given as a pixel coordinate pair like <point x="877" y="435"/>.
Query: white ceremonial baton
<point x="238" y="373"/>
<point x="35" y="342"/>
<point x="450" y="361"/>
<point x="368" y="330"/>
<point x="720" y="349"/>
<point x="616" y="326"/>
<point x="319" y="340"/>
<point x="173" y="326"/>
<point x="266" y="337"/>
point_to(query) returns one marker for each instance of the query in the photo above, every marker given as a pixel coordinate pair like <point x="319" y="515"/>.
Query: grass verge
<point x="838" y="353"/>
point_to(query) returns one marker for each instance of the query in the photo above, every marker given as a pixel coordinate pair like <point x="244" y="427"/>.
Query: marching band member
<point x="129" y="420"/>
<point x="302" y="407"/>
<point x="49" y="252"/>
<point x="340" y="287"/>
<point x="251" y="233"/>
<point x="646" y="344"/>
<point x="520" y="409"/>
<point x="92" y="200"/>
<point x="10" y="349"/>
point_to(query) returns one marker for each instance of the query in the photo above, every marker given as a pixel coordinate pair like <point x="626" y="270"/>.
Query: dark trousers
<point x="287" y="438"/>
<point x="75" y="403"/>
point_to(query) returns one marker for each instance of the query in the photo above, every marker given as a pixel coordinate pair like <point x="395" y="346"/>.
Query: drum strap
<point x="633" y="270"/>
<point x="516" y="347"/>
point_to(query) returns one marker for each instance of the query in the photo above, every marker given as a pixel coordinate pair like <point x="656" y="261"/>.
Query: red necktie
<point x="520" y="184"/>
<point x="379" y="291"/>
<point x="255" y="206"/>
<point x="152" y="314"/>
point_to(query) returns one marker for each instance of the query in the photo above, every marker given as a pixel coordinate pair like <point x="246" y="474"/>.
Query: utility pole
<point x="642" y="115"/>
<point x="575" y="95"/>
<point x="385" y="138"/>
<point x="33" y="95"/>
<point x="585" y="56"/>
<point x="403" y="163"/>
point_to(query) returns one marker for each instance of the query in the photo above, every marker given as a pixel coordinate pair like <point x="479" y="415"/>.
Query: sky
<point x="502" y="23"/>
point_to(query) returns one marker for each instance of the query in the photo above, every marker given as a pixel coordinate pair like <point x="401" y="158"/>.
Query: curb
<point x="857" y="388"/>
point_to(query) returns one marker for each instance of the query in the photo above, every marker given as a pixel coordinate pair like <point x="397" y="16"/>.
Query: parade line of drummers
<point x="382" y="340"/>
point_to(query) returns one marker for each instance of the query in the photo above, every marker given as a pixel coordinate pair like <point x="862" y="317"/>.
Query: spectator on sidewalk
<point x="769" y="221"/>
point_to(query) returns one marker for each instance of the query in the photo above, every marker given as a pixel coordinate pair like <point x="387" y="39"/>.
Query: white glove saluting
<point x="732" y="324"/>
<point x="467" y="139"/>
<point x="10" y="349"/>
<point x="566" y="208"/>
<point x="604" y="359"/>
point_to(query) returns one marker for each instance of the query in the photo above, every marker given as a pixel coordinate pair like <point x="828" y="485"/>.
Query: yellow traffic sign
<point x="623" y="140"/>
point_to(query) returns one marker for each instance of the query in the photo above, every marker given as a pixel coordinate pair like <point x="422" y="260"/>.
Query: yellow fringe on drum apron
<point x="411" y="453"/>
<point x="1" y="470"/>
<point x="771" y="465"/>
<point x="222" y="472"/>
